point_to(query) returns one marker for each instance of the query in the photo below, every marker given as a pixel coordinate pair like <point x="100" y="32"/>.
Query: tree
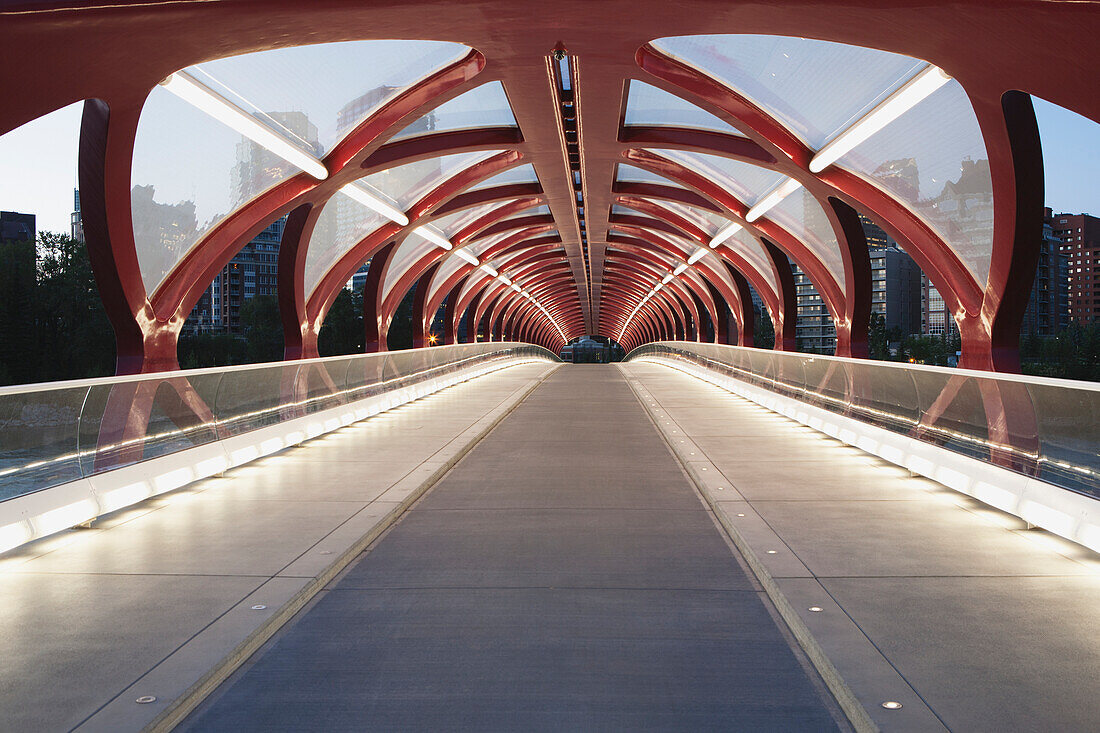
<point x="763" y="332"/>
<point x="878" y="340"/>
<point x="263" y="329"/>
<point x="342" y="331"/>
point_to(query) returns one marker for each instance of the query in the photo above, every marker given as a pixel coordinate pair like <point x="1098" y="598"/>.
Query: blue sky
<point x="38" y="164"/>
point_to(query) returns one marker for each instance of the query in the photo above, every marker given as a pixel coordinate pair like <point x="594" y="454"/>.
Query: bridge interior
<point x="556" y="546"/>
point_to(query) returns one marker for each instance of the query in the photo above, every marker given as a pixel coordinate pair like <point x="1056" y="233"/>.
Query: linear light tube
<point x="666" y="279"/>
<point x="904" y="99"/>
<point x="724" y="234"/>
<point x="777" y="194"/>
<point x="187" y="88"/>
<point x="516" y="288"/>
<point x="696" y="256"/>
<point x="433" y="236"/>
<point x="489" y="271"/>
<point x="356" y="191"/>
<point x="679" y="269"/>
<point x="467" y="256"/>
<point x="504" y="280"/>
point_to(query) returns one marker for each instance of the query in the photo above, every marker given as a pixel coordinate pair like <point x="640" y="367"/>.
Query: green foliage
<point x="54" y="325"/>
<point x="878" y="339"/>
<point x="763" y="332"/>
<point x="400" y="335"/>
<point x="935" y="350"/>
<point x="263" y="329"/>
<point x="343" y="332"/>
<point x="1072" y="354"/>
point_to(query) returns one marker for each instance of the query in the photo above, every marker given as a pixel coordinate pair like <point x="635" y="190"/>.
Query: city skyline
<point x="44" y="153"/>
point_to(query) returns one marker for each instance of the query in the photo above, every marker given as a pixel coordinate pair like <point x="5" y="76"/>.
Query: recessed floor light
<point x="740" y="515"/>
<point x="258" y="608"/>
<point x="892" y="705"/>
<point x="816" y="609"/>
<point x="771" y="552"/>
<point x="145" y="700"/>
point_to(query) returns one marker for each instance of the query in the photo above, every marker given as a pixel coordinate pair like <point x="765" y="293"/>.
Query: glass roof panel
<point x="406" y="184"/>
<point x="753" y="251"/>
<point x="519" y="174"/>
<point x="933" y="159"/>
<point x="815" y="88"/>
<point x="452" y="224"/>
<point x="343" y="223"/>
<point x="333" y="86"/>
<point x="408" y="253"/>
<point x="483" y="106"/>
<point x="649" y="105"/>
<point x="542" y="210"/>
<point x="188" y="173"/>
<point x="745" y="181"/>
<point x="633" y="174"/>
<point x="708" y="221"/>
<point x="801" y="215"/>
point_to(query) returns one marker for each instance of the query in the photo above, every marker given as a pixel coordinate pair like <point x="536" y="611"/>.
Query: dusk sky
<point x="38" y="164"/>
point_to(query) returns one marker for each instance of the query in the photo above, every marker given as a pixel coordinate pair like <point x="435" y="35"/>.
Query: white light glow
<point x="13" y="535"/>
<point x="666" y="279"/>
<point x="191" y="91"/>
<point x="504" y="279"/>
<point x="467" y="256"/>
<point x="777" y="194"/>
<point x="433" y="236"/>
<point x="679" y="269"/>
<point x="173" y="479"/>
<point x="696" y="256"/>
<point x="488" y="270"/>
<point x="64" y="517"/>
<point x="124" y="496"/>
<point x="904" y="99"/>
<point x="725" y="233"/>
<point x="517" y="288"/>
<point x="374" y="202"/>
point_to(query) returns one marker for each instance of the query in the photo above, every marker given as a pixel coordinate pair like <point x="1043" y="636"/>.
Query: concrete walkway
<point x="152" y="600"/>
<point x="924" y="596"/>
<point x="564" y="575"/>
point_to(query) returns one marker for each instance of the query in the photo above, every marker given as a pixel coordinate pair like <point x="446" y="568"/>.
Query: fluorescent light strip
<point x="489" y="270"/>
<point x="908" y="96"/>
<point x="776" y="195"/>
<point x="467" y="256"/>
<point x="373" y="202"/>
<point x="187" y="88"/>
<point x="697" y="255"/>
<point x="504" y="280"/>
<point x="724" y="234"/>
<point x="680" y="269"/>
<point x="433" y="236"/>
<point x="666" y="279"/>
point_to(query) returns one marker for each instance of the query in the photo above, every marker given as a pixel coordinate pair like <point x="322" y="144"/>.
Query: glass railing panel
<point x="38" y="439"/>
<point x="1068" y="423"/>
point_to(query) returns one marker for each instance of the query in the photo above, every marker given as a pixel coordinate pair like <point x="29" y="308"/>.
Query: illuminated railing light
<point x="908" y="96"/>
<point x="696" y="256"/>
<point x="776" y="195"/>
<point x="187" y="88"/>
<point x="725" y="233"/>
<point x="433" y="236"/>
<point x="357" y="192"/>
<point x="463" y="254"/>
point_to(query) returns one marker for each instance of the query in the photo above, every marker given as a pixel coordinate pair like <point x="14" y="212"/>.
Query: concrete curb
<point x="186" y="703"/>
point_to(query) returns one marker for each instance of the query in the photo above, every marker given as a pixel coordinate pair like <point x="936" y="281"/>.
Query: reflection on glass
<point x="648" y="105"/>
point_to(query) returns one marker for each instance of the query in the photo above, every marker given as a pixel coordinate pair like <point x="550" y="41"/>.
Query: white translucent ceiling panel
<point x="452" y="224"/>
<point x="620" y="210"/>
<point x="709" y="221"/>
<point x="519" y="174"/>
<point x="325" y="89"/>
<point x="815" y="88"/>
<point x="752" y="250"/>
<point x="408" y="253"/>
<point x="542" y="210"/>
<point x="801" y="215"/>
<point x="745" y="181"/>
<point x="188" y="173"/>
<point x="483" y="106"/>
<point x="343" y="223"/>
<point x="648" y="105"/>
<point x="933" y="158"/>
<point x="633" y="174"/>
<point x="406" y="184"/>
<point x="510" y="258"/>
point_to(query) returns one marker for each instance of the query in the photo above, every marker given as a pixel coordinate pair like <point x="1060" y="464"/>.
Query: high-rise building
<point x="895" y="294"/>
<point x="252" y="271"/>
<point x="17" y="227"/>
<point x="76" y="223"/>
<point x="1079" y="235"/>
<point x="1048" y="307"/>
<point x="257" y="168"/>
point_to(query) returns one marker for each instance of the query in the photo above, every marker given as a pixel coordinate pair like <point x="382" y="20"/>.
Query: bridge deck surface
<point x="564" y="575"/>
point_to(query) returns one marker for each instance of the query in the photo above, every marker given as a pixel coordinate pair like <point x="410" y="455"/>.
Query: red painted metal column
<point x="372" y="296"/>
<point x="421" y="321"/>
